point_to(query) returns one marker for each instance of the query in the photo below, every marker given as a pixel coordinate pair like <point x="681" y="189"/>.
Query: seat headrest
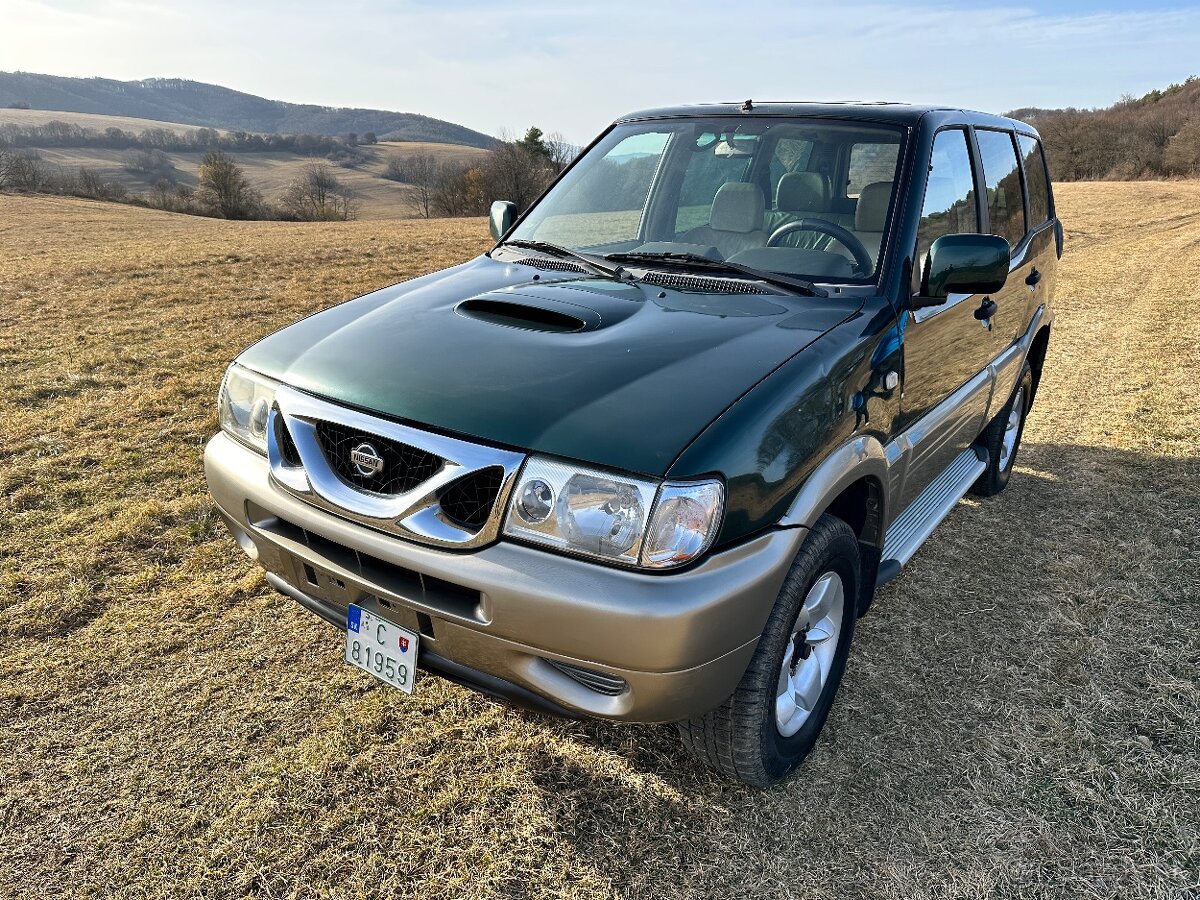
<point x="802" y="191"/>
<point x="871" y="212"/>
<point x="738" y="207"/>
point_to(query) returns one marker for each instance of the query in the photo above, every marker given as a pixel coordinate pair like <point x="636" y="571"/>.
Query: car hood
<point x="618" y="373"/>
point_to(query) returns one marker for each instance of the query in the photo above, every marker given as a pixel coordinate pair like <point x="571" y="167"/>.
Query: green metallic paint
<point x="966" y="264"/>
<point x="758" y="389"/>
<point x="773" y="438"/>
<point x="650" y="371"/>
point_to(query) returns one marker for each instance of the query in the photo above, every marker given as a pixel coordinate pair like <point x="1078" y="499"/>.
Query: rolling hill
<point x="378" y="198"/>
<point x="195" y="103"/>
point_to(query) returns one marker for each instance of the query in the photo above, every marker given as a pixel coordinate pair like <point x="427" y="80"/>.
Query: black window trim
<point x="1018" y="248"/>
<point x="981" y="211"/>
<point x="1050" y="214"/>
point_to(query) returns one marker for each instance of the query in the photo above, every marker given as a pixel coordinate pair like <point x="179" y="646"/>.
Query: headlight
<point x="244" y="405"/>
<point x="612" y="516"/>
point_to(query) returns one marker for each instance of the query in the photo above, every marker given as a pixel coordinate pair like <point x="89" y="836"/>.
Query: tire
<point x="993" y="439"/>
<point x="741" y="737"/>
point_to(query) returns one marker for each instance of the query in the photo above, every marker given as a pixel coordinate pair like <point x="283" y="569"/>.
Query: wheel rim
<point x="808" y="659"/>
<point x="1008" y="445"/>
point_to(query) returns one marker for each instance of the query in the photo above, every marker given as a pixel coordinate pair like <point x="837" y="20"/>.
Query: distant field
<point x="1020" y="716"/>
<point x="271" y="173"/>
<point x="90" y="120"/>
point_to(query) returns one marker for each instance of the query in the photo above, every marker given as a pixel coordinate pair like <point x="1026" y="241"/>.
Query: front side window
<point x="710" y="185"/>
<point x="949" y="206"/>
<point x="1002" y="178"/>
<point x="1036" y="183"/>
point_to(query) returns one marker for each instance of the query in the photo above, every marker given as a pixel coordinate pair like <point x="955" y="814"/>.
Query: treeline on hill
<point x="1155" y="136"/>
<point x="341" y="149"/>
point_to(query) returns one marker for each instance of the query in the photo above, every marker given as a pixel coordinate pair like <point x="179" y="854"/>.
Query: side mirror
<point x="963" y="263"/>
<point x="501" y="218"/>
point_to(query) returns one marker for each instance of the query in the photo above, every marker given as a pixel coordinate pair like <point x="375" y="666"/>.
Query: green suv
<point x="649" y="457"/>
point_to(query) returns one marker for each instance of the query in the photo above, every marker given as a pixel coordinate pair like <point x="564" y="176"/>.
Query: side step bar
<point x="925" y="513"/>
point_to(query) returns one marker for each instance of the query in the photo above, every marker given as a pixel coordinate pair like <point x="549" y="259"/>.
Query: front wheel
<point x="1002" y="438"/>
<point x="772" y="720"/>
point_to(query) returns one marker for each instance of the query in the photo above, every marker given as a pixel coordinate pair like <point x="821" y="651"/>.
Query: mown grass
<point x="1021" y="716"/>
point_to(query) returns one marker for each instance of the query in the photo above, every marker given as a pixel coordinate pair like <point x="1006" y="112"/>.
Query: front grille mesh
<point x="469" y="500"/>
<point x="404" y="467"/>
<point x="287" y="446"/>
<point x="702" y="283"/>
<point x="600" y="682"/>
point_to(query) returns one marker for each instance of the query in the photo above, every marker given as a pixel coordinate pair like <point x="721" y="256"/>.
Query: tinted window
<point x="717" y="160"/>
<point x="1002" y="179"/>
<point x="790" y="155"/>
<point x="1036" y="182"/>
<point x="949" y="206"/>
<point x="870" y="163"/>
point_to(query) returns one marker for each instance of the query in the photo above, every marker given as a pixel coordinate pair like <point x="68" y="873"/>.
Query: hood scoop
<point x="544" y="316"/>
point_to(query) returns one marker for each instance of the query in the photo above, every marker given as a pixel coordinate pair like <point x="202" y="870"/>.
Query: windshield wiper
<point x="594" y="265"/>
<point x="696" y="261"/>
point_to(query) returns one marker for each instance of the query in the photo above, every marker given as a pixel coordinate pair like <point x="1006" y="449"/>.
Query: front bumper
<point x="500" y="617"/>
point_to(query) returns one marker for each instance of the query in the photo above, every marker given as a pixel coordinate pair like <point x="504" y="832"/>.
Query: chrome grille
<point x="702" y="283"/>
<point x="404" y="467"/>
<point x="430" y="488"/>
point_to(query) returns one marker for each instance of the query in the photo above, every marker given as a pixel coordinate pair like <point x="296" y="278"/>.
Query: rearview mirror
<point x="501" y="218"/>
<point x="963" y="263"/>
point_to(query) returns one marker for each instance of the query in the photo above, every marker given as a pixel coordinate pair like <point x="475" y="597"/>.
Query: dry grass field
<point x="271" y="173"/>
<point x="1021" y="715"/>
<point x="97" y="121"/>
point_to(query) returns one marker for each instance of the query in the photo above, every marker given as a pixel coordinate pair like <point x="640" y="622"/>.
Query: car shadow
<point x="1025" y="636"/>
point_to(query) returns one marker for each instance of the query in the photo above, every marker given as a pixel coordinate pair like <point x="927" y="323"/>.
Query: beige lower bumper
<point x="498" y="618"/>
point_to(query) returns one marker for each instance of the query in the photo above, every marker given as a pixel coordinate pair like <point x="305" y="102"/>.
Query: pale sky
<point x="573" y="67"/>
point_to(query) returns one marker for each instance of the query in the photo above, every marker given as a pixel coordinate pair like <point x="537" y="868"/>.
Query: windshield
<point x="799" y="197"/>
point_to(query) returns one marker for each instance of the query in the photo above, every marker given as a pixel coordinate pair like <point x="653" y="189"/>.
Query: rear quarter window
<point x="1037" y="183"/>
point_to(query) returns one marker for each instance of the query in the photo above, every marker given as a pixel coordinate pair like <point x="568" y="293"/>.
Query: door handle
<point x="1033" y="277"/>
<point x="986" y="310"/>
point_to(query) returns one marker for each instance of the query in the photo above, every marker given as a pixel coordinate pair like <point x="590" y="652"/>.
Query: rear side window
<point x="1036" y="182"/>
<point x="1002" y="178"/>
<point x="791" y="155"/>
<point x="870" y="163"/>
<point x="949" y="206"/>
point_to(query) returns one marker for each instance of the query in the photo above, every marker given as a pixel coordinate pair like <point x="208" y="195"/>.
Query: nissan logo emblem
<point x="366" y="460"/>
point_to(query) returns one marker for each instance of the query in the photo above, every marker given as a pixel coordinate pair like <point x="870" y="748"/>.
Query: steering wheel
<point x="863" y="263"/>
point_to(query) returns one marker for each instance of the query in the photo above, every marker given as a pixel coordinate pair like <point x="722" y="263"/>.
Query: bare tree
<point x="559" y="151"/>
<point x="423" y="173"/>
<point x="397" y="168"/>
<point x="316" y="195"/>
<point x="224" y="190"/>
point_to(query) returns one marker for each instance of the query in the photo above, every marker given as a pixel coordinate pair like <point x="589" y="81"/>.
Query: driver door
<point x="946" y="348"/>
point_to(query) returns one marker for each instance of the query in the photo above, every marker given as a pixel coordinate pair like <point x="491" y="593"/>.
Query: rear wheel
<point x="1002" y="438"/>
<point x="772" y="720"/>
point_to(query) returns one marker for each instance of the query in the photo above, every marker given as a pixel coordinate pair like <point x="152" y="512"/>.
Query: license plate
<point x="382" y="648"/>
